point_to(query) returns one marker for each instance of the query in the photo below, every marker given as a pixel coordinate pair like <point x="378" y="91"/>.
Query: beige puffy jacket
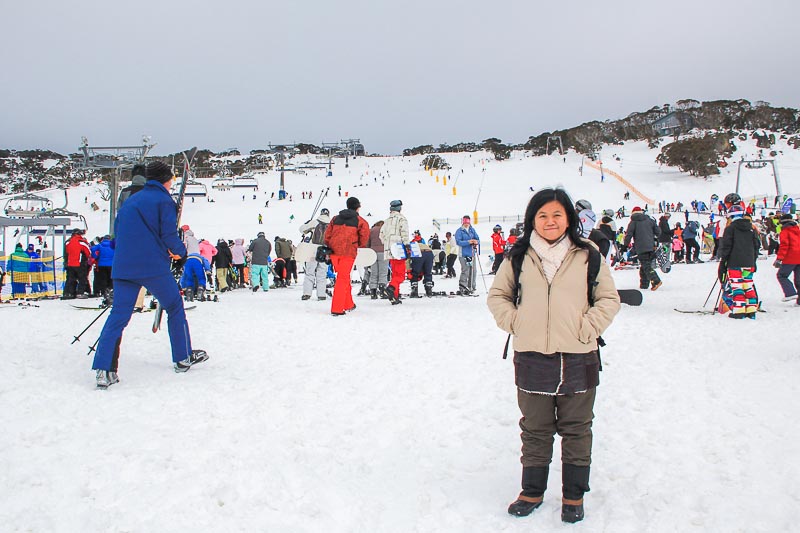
<point x="394" y="229"/>
<point x="553" y="318"/>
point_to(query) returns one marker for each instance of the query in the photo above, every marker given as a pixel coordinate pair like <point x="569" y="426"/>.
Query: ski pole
<point x="711" y="291"/>
<point x="93" y="346"/>
<point x="76" y="339"/>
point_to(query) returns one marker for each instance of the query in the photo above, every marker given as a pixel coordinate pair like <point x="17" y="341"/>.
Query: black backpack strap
<point x="592" y="271"/>
<point x="516" y="268"/>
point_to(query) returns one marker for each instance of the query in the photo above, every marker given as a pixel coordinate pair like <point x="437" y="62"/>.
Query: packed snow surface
<point x="400" y="418"/>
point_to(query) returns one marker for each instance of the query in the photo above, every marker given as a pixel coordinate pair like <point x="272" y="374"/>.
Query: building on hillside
<point x="673" y="123"/>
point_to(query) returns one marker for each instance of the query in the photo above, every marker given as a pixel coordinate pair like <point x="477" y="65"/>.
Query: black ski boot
<point x="429" y="289"/>
<point x="534" y="483"/>
<point x="575" y="482"/>
<point x="382" y="292"/>
<point x="373" y="294"/>
<point x="390" y="295"/>
<point x="414" y="289"/>
<point x="364" y="288"/>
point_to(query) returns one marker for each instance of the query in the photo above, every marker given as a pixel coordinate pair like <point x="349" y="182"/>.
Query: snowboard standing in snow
<point x="630" y="296"/>
<point x="365" y="257"/>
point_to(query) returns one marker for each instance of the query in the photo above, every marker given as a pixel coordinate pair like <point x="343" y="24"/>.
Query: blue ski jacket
<point x="146" y="231"/>
<point x="463" y="237"/>
<point x="103" y="253"/>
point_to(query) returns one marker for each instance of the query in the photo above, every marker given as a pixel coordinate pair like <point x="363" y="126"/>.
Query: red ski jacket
<point x="498" y="243"/>
<point x="77" y="251"/>
<point x="789" y="250"/>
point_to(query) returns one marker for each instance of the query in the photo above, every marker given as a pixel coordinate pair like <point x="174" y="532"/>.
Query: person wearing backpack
<point x="643" y="230"/>
<point x="543" y="297"/>
<point x="316" y="271"/>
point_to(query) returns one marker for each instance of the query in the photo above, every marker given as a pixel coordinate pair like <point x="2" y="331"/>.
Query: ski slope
<point x="400" y="418"/>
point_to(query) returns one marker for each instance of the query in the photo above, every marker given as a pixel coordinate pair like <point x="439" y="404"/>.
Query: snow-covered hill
<point x="401" y="418"/>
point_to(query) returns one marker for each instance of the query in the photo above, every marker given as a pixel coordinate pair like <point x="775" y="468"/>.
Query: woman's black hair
<point x="542" y="197"/>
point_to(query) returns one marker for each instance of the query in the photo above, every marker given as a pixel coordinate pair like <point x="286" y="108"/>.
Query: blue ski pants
<point x="125" y="293"/>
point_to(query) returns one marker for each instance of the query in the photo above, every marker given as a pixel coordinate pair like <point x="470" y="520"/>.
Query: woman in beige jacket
<point x="555" y="346"/>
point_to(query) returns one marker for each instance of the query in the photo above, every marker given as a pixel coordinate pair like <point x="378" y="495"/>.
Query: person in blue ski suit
<point x="467" y="239"/>
<point x="194" y="274"/>
<point x="146" y="235"/>
<point x="103" y="253"/>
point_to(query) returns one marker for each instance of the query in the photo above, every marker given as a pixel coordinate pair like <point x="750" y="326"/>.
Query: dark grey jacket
<point x="739" y="245"/>
<point x="261" y="249"/>
<point x="643" y="230"/>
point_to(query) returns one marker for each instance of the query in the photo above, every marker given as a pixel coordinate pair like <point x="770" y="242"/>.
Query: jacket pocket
<point x="587" y="333"/>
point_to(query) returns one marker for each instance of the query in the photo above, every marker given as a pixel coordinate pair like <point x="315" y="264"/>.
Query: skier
<point x="103" y="254"/>
<point x="643" y="230"/>
<point x="788" y="260"/>
<point x="146" y="239"/>
<point x="498" y="247"/>
<point x="468" y="241"/>
<point x="395" y="232"/>
<point x="555" y="348"/>
<point x="76" y="259"/>
<point x="346" y="233"/>
<point x="283" y="253"/>
<point x="259" y="268"/>
<point x="316" y="270"/>
<point x="422" y="267"/>
<point x="738" y="251"/>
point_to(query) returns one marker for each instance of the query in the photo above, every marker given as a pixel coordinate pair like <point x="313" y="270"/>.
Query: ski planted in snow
<point x="188" y="157"/>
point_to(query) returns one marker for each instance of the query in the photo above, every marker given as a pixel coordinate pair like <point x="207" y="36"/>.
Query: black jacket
<point x="663" y="227"/>
<point x="643" y="230"/>
<point x="739" y="245"/>
<point x="224" y="257"/>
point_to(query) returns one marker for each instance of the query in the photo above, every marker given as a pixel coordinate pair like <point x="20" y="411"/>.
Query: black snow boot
<point x="382" y="292"/>
<point x="414" y="289"/>
<point x="575" y="482"/>
<point x="534" y="483"/>
<point x="429" y="289"/>
<point x="373" y="294"/>
<point x="391" y="296"/>
<point x="364" y="288"/>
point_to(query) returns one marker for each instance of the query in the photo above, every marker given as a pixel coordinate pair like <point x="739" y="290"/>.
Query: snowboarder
<point x="738" y="251"/>
<point x="259" y="264"/>
<point x="316" y="271"/>
<point x="498" y="247"/>
<point x="395" y="231"/>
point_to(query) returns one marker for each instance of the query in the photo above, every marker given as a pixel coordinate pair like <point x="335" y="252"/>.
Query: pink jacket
<point x="207" y="250"/>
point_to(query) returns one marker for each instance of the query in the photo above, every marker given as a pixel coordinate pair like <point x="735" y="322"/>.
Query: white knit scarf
<point x="551" y="255"/>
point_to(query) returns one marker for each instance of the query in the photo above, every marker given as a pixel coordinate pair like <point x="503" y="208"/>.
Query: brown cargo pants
<point x="543" y="416"/>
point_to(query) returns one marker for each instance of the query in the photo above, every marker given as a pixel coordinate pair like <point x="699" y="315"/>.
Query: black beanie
<point x="137" y="170"/>
<point x="353" y="203"/>
<point x="158" y="171"/>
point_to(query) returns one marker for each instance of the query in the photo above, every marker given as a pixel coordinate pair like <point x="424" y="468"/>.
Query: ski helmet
<point x="324" y="211"/>
<point x="731" y="199"/>
<point x="580" y="205"/>
<point x="735" y="211"/>
<point x="497" y="228"/>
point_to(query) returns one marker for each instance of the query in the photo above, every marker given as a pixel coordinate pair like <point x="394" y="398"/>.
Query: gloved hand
<point x="778" y="263"/>
<point x="722" y="271"/>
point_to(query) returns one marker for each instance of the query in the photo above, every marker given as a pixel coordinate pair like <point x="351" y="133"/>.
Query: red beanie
<point x="635" y="209"/>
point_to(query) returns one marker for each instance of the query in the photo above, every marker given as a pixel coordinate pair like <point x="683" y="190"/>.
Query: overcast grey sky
<point x="395" y="74"/>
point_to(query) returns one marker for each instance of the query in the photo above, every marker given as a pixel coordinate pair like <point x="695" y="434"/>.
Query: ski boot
<point x="373" y="294"/>
<point x="188" y="294"/>
<point x="390" y="295"/>
<point x="414" y="290"/>
<point x="382" y="292"/>
<point x="364" y="288"/>
<point x="201" y="294"/>
<point x="429" y="289"/>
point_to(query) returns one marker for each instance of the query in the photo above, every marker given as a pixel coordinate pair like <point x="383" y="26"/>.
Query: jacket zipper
<point x="541" y="270"/>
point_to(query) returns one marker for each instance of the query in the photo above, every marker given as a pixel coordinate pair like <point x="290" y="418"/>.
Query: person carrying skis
<point x="498" y="247"/>
<point x="346" y="233"/>
<point x="555" y="327"/>
<point x="788" y="260"/>
<point x="146" y="233"/>
<point x="395" y="231"/>
<point x="643" y="230"/>
<point x="467" y="239"/>
<point x="316" y="271"/>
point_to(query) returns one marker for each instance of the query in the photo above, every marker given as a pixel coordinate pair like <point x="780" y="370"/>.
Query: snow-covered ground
<point x="400" y="418"/>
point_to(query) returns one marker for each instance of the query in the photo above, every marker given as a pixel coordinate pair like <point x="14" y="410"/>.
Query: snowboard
<point x="630" y="296"/>
<point x="366" y="257"/>
<point x="662" y="260"/>
<point x="305" y="252"/>
<point x="398" y="250"/>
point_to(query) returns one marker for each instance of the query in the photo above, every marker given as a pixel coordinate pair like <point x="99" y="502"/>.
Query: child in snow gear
<point x="555" y="345"/>
<point x="498" y="247"/>
<point x="146" y="240"/>
<point x="346" y="233"/>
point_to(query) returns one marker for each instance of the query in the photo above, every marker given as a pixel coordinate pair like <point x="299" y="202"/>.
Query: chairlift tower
<point x="116" y="158"/>
<point x="555" y="139"/>
<point x="331" y="148"/>
<point x="759" y="163"/>
<point x="280" y="151"/>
